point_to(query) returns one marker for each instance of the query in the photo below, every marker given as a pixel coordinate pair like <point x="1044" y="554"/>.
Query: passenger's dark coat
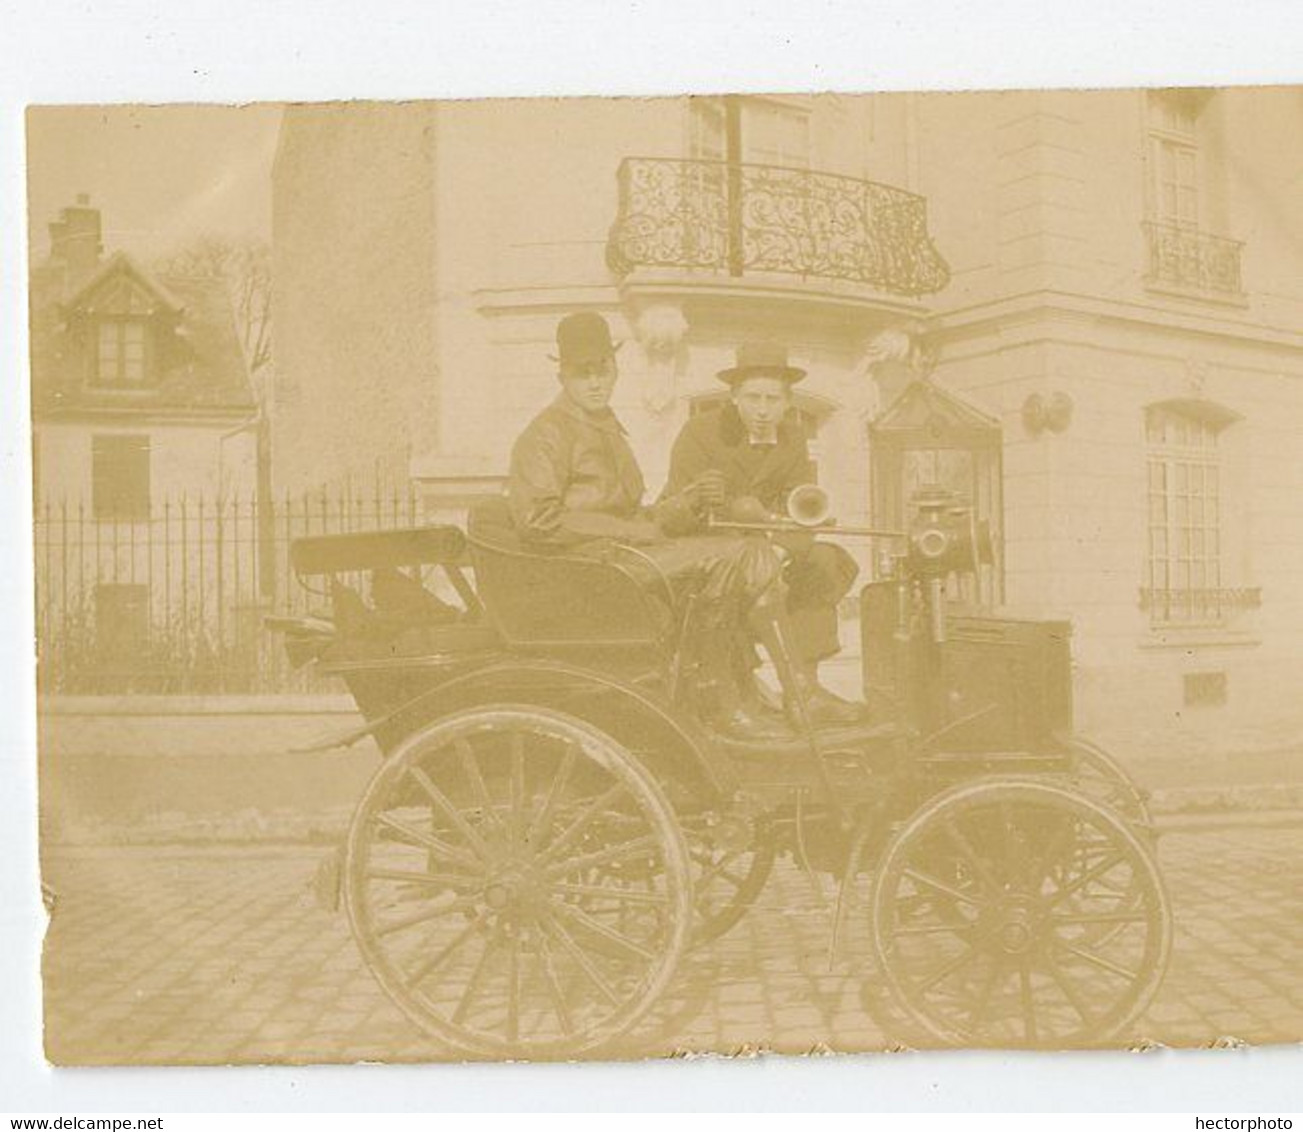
<point x="821" y="574"/>
<point x="717" y="440"/>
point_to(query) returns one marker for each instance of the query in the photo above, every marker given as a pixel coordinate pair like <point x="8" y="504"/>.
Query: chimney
<point x="75" y="242"/>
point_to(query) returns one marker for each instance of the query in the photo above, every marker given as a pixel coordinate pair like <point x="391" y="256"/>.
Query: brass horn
<point x="808" y="505"/>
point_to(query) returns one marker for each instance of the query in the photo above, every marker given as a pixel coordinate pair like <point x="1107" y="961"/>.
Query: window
<point x="771" y="132"/>
<point x="775" y="134"/>
<point x="120" y="354"/>
<point x="1173" y="159"/>
<point x="707" y="132"/>
<point x="1185" y="517"/>
<point x="120" y="477"/>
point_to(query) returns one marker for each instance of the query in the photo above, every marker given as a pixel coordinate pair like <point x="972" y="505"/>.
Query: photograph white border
<point x="241" y="51"/>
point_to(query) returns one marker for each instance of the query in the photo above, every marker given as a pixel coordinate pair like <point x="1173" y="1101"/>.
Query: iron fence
<point x="741" y="217"/>
<point x="174" y="601"/>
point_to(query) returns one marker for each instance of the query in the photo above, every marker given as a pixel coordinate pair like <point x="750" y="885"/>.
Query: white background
<point x="246" y="50"/>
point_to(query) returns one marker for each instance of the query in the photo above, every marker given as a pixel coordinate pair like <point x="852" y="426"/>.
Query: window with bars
<point x="1185" y="583"/>
<point x="120" y="353"/>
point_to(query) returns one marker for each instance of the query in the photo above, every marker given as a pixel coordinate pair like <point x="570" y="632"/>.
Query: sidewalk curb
<point x="1213" y="821"/>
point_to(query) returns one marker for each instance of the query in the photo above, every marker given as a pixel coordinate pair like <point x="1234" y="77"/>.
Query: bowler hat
<point x="582" y="338"/>
<point x="761" y="359"/>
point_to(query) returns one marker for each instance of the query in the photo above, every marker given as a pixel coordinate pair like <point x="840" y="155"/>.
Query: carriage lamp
<point x="944" y="538"/>
<point x="939" y="537"/>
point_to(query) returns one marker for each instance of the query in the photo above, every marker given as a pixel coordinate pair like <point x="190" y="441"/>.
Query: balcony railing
<point x="1190" y="260"/>
<point x="1190" y="606"/>
<point x="741" y="219"/>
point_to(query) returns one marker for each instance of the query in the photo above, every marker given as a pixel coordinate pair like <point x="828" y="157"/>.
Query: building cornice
<point x="1034" y="308"/>
<point x="644" y="287"/>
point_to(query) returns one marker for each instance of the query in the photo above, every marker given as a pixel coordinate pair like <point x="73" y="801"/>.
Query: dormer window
<point x="120" y="352"/>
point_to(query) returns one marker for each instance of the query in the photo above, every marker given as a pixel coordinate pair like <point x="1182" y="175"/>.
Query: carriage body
<point x="552" y="811"/>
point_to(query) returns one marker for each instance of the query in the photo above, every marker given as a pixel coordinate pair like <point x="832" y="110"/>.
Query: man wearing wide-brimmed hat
<point x="575" y="483"/>
<point x="755" y="443"/>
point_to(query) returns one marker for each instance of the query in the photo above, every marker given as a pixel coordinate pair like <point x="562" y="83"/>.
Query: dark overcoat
<point x="821" y="574"/>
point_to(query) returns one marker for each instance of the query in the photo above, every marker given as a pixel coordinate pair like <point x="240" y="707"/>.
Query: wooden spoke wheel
<point x="1098" y="774"/>
<point x="518" y="884"/>
<point x="989" y="913"/>
<point x="732" y="858"/>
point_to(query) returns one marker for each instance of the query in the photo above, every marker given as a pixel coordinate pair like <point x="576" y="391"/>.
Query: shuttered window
<point x="120" y="477"/>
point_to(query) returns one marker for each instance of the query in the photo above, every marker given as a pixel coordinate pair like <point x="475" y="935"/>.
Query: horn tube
<point x="808" y="505"/>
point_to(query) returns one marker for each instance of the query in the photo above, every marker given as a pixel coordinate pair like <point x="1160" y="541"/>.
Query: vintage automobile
<point x="553" y="825"/>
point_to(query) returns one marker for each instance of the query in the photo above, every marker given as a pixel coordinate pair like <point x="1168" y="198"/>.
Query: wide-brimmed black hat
<point x="761" y="359"/>
<point x="583" y="337"/>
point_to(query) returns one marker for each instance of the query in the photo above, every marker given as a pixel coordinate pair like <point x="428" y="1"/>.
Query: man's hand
<point x="707" y="491"/>
<point x="748" y="509"/>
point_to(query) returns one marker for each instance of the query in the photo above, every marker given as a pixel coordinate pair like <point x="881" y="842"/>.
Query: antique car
<point x="553" y="824"/>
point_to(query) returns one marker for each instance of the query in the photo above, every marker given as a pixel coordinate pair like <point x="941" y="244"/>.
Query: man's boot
<point x="734" y="714"/>
<point x="825" y="707"/>
<point x="807" y="702"/>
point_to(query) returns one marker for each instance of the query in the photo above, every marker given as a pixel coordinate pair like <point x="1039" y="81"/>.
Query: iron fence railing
<point x="1191" y="260"/>
<point x="742" y="218"/>
<point x="174" y="601"/>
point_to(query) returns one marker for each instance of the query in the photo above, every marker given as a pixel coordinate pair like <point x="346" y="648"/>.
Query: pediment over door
<point x="925" y="415"/>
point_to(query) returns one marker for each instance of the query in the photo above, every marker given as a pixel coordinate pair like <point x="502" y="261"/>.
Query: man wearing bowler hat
<point x="761" y="451"/>
<point x="575" y="483"/>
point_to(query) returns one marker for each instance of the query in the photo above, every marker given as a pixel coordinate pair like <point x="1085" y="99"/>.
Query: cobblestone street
<point x="221" y="955"/>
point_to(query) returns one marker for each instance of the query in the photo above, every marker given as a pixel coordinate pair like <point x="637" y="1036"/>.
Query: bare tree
<point x="245" y="268"/>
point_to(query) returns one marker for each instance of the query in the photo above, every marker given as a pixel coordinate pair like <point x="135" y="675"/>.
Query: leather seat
<point x="544" y="598"/>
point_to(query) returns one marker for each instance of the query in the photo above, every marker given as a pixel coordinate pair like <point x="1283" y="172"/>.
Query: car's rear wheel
<point x="518" y="883"/>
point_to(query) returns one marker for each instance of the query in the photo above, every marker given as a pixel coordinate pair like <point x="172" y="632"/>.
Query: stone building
<point x="1081" y="310"/>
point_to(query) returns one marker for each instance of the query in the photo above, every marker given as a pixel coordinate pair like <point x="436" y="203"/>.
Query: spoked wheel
<point x="518" y="884"/>
<point x="988" y="915"/>
<point x="1098" y="774"/>
<point x="732" y="858"/>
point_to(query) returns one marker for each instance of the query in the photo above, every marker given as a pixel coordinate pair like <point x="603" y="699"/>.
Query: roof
<point x="200" y="363"/>
<point x="122" y="261"/>
<point x="926" y="410"/>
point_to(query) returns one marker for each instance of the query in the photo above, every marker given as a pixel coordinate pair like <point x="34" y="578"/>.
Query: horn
<point x="808" y="505"/>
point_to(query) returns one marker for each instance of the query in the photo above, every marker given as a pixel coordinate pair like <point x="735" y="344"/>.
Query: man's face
<point x="589" y="384"/>
<point x="761" y="403"/>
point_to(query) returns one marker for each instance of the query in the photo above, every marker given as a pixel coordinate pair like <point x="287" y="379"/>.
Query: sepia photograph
<point x="610" y="578"/>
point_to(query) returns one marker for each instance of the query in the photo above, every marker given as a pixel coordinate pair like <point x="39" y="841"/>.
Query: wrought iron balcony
<point x="741" y="218"/>
<point x="1190" y="260"/>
